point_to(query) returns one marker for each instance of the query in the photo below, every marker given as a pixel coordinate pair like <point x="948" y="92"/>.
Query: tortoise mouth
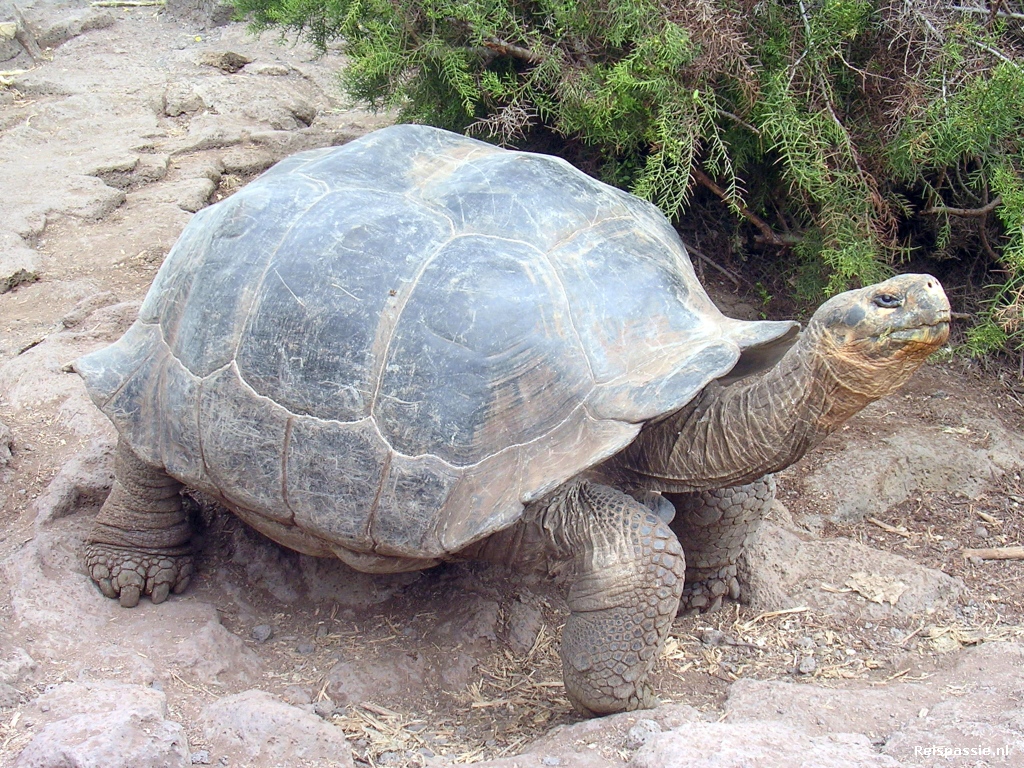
<point x="929" y="333"/>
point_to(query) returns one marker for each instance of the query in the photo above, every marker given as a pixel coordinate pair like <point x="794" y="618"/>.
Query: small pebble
<point x="297" y="695"/>
<point x="975" y="560"/>
<point x="202" y="757"/>
<point x="322" y="631"/>
<point x="305" y="648"/>
<point x="550" y="760"/>
<point x="808" y="665"/>
<point x="262" y="633"/>
<point x="227" y="61"/>
<point x="641" y="732"/>
<point x="324" y="709"/>
<point x="981" y="532"/>
<point x="272" y="70"/>
<point x="712" y="636"/>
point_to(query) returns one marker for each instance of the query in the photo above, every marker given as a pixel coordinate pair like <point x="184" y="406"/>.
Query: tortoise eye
<point x="888" y="301"/>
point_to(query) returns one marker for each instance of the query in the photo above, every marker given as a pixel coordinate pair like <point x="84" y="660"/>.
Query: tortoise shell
<point x="392" y="346"/>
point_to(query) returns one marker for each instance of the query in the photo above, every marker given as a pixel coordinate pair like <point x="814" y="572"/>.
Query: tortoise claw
<point x="127" y="574"/>
<point x="159" y="594"/>
<point x="130" y="596"/>
<point x="107" y="588"/>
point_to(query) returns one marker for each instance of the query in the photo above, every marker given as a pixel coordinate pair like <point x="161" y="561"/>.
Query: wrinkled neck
<point x="735" y="434"/>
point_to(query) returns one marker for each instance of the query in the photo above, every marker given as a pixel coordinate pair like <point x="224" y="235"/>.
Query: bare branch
<point x="502" y="48"/>
<point x="736" y="279"/>
<point x="985" y="210"/>
<point x="983" y="235"/>
<point x="987" y="11"/>
<point x="996" y="553"/>
<point x="770" y="235"/>
<point x="739" y="120"/>
<point x="997" y="54"/>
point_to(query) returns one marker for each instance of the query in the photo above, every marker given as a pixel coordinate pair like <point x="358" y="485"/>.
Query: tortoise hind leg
<point x="714" y="527"/>
<point x="139" y="544"/>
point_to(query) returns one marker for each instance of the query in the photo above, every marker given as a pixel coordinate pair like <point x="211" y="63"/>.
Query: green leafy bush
<point x="845" y="136"/>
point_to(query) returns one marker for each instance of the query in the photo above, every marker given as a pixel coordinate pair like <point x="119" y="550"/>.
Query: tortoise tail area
<point x="138" y="383"/>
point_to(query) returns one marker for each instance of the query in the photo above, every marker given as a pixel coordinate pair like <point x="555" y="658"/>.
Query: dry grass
<point x="515" y="700"/>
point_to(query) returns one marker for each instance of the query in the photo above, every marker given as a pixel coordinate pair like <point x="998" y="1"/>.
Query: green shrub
<point x="847" y="135"/>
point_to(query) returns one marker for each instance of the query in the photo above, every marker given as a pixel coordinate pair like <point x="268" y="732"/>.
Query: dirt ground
<point x="866" y="636"/>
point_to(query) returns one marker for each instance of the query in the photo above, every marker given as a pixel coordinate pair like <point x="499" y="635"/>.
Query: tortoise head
<point x="872" y="339"/>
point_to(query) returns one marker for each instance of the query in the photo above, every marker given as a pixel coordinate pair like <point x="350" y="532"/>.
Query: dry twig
<point x="988" y="518"/>
<point x="996" y="553"/>
<point x="773" y="614"/>
<point x="889" y="528"/>
<point x="769" y="234"/>
<point x="126" y="3"/>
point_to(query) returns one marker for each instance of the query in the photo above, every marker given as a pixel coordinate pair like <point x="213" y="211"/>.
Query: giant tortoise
<point x="419" y="347"/>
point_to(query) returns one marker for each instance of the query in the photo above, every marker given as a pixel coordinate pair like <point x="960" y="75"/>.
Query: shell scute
<point x="483" y="356"/>
<point x="243" y="439"/>
<point x="181" y="446"/>
<point x="405" y="522"/>
<point x="203" y="295"/>
<point x="538" y="200"/>
<point x="136" y="406"/>
<point x="320" y="319"/>
<point x="332" y="467"/>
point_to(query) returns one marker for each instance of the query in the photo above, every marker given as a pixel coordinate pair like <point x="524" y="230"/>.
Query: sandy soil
<point x="857" y="587"/>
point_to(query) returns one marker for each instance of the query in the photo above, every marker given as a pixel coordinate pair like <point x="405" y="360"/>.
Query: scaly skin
<point x="717" y="525"/>
<point x="139" y="544"/>
<point x="627" y="572"/>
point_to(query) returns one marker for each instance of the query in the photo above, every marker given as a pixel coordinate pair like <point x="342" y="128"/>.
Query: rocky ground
<point x="867" y="637"/>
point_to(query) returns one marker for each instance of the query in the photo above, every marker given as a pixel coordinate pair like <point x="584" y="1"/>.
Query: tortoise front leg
<point x="714" y="527"/>
<point x="628" y="575"/>
<point x="626" y="570"/>
<point x="139" y="544"/>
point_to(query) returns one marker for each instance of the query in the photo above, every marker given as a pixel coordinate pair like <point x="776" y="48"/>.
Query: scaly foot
<point x="706" y="594"/>
<point x="127" y="574"/>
